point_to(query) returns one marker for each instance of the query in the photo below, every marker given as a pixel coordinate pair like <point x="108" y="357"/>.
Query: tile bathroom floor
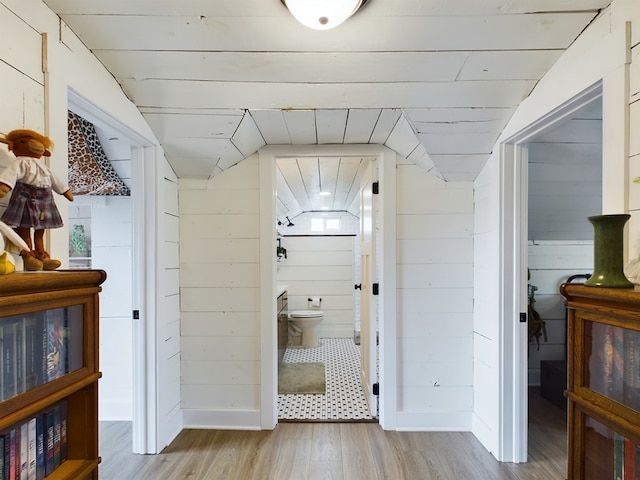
<point x="344" y="399"/>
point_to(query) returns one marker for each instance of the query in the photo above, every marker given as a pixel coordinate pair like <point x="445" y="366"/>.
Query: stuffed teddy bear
<point x="31" y="204"/>
<point x="10" y="242"/>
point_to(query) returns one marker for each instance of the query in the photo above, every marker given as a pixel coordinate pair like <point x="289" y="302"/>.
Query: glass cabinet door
<point x="37" y="348"/>
<point x="613" y="363"/>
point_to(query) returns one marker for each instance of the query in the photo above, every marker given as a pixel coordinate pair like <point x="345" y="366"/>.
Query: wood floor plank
<point x="326" y="445"/>
<point x="336" y="451"/>
<point x="326" y="471"/>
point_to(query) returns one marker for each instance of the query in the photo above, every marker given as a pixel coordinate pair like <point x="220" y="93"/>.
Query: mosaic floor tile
<point x="344" y="399"/>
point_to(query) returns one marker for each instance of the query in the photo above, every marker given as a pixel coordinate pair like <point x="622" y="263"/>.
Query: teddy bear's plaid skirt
<point x="32" y="207"/>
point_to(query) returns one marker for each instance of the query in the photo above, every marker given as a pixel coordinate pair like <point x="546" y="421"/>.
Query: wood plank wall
<point x="220" y="298"/>
<point x="634" y="146"/>
<point x="435" y="301"/>
<point x="168" y="305"/>
<point x="321" y="266"/>
<point x="550" y="264"/>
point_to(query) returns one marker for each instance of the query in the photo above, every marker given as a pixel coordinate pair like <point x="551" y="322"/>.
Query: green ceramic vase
<point x="608" y="244"/>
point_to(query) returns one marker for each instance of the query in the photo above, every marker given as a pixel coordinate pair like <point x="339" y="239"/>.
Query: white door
<point x="368" y="328"/>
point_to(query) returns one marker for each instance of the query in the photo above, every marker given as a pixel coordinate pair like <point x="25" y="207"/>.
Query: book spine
<point x="32" y="454"/>
<point x="55" y="344"/>
<point x="7" y="454"/>
<point x="49" y="441"/>
<point x="618" y="457"/>
<point x="56" y="436"/>
<point x="2" y="471"/>
<point x="8" y="361"/>
<point x="40" y="446"/>
<point x="24" y="451"/>
<point x="12" y="455"/>
<point x="42" y="348"/>
<point x="31" y="352"/>
<point x="64" y="448"/>
<point x="618" y="365"/>
<point x="20" y="358"/>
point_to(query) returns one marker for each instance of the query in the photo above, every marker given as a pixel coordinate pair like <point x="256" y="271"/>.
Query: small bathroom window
<point x="324" y="224"/>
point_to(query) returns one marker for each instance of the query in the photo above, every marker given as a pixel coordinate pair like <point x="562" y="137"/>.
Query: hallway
<point x="340" y="451"/>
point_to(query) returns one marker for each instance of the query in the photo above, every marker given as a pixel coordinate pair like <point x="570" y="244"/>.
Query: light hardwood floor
<point x="344" y="451"/>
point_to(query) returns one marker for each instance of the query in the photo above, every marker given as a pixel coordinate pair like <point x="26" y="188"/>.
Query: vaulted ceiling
<point x="435" y="80"/>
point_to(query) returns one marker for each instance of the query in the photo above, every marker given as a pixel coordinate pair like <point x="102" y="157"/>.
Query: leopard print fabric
<point x="90" y="172"/>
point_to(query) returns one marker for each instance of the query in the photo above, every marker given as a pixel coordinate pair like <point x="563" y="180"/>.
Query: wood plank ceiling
<point x="435" y="80"/>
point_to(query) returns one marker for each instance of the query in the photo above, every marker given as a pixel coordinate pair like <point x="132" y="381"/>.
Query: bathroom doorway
<point x="318" y="223"/>
<point x="384" y="171"/>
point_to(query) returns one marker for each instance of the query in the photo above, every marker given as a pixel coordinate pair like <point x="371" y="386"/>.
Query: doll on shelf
<point x="31" y="205"/>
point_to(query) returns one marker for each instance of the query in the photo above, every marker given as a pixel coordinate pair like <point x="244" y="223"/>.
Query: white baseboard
<point x="222" y="419"/>
<point x="485" y="434"/>
<point x="434" y="421"/>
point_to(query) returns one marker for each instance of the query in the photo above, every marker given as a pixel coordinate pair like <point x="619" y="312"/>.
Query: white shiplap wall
<point x="321" y="266"/>
<point x="565" y="188"/>
<point x="603" y="43"/>
<point x="634" y="152"/>
<point x="551" y="263"/>
<point x="168" y="304"/>
<point x="111" y="251"/>
<point x="435" y="301"/>
<point x="220" y="292"/>
<point x="486" y="309"/>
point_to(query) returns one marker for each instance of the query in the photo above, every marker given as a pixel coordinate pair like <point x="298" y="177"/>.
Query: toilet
<point x="307" y="322"/>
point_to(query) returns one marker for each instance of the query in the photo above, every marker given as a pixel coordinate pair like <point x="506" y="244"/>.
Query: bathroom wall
<point x="321" y="266"/>
<point x="551" y="263"/>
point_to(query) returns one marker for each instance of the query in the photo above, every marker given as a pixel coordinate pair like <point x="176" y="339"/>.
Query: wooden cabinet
<point x="49" y="345"/>
<point x="603" y="382"/>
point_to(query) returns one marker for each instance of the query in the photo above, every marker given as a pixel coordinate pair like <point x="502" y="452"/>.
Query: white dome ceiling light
<point x="322" y="14"/>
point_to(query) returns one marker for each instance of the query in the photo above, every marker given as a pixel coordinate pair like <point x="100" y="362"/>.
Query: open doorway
<point x="318" y="218"/>
<point x="385" y="172"/>
<point x="106" y="241"/>
<point x="515" y="231"/>
<point x="564" y="189"/>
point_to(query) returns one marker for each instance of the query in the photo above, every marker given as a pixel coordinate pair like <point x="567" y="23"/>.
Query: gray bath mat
<point x="301" y="378"/>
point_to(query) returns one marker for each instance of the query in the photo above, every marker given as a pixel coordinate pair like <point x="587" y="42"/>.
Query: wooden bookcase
<point x="68" y="375"/>
<point x="603" y="382"/>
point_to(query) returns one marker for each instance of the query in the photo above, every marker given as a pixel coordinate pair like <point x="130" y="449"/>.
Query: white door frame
<point x="513" y="275"/>
<point x="386" y="161"/>
<point x="143" y="153"/>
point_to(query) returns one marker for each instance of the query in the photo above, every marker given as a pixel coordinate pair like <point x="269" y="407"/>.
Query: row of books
<point x="614" y="371"/>
<point x="34" y="448"/>
<point x="615" y="364"/>
<point x="35" y="349"/>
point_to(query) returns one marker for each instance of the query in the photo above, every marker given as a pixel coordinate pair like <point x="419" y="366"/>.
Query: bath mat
<point x="305" y="377"/>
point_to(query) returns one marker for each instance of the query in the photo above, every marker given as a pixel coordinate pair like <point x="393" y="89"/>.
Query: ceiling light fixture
<point x="325" y="194"/>
<point x="322" y="14"/>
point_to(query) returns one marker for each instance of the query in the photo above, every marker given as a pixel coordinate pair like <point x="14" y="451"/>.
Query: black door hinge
<point x="375" y="289"/>
<point x="375" y="188"/>
<point x="523" y="317"/>
<point x="375" y="388"/>
<point x="136" y="314"/>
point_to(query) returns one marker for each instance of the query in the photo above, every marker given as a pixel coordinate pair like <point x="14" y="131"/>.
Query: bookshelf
<point x="49" y="373"/>
<point x="603" y="382"/>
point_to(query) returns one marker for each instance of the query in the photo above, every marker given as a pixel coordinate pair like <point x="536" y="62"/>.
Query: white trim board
<point x="513" y="396"/>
